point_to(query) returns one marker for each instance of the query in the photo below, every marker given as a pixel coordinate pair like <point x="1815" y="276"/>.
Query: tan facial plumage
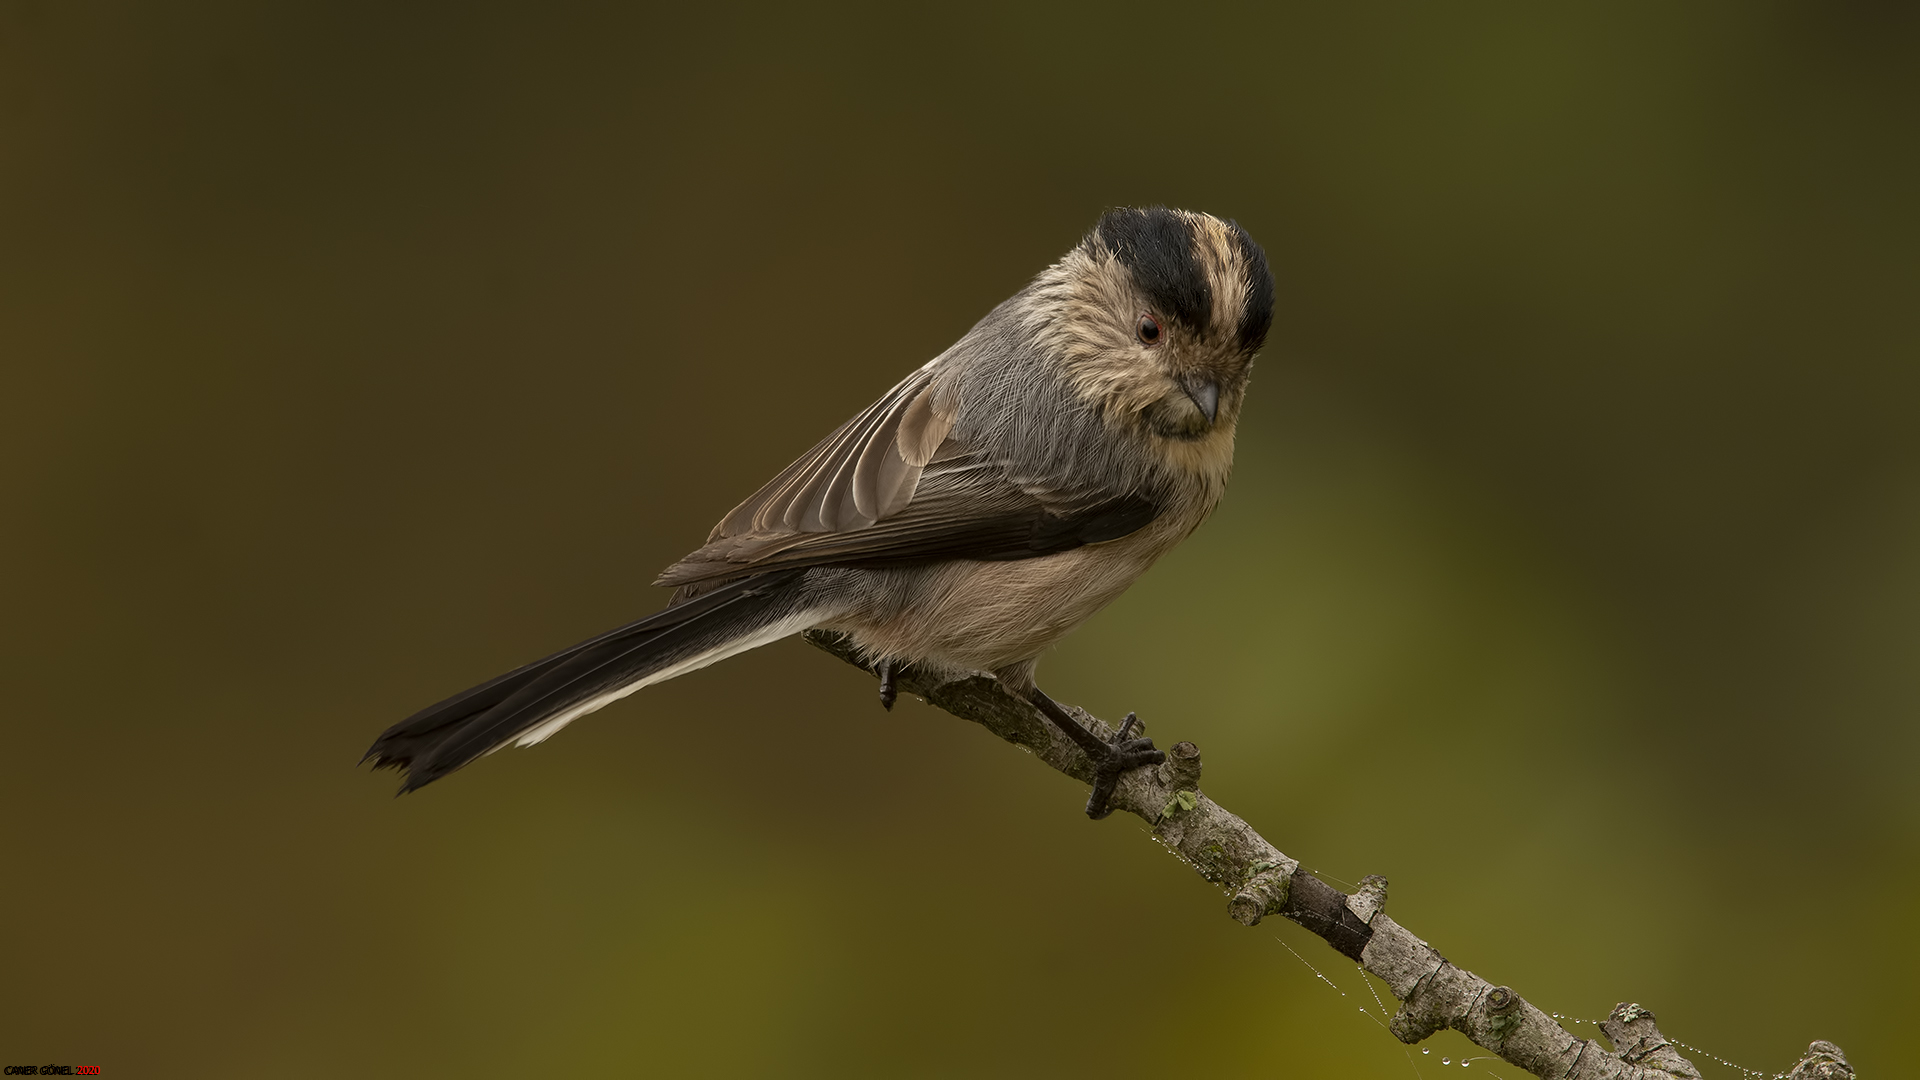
<point x="1086" y="312"/>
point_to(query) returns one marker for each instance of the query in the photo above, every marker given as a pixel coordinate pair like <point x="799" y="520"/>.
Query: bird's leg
<point x="1110" y="760"/>
<point x="889" y="688"/>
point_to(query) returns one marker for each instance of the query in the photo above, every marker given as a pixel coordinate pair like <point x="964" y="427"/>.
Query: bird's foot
<point x="1124" y="754"/>
<point x="1111" y="759"/>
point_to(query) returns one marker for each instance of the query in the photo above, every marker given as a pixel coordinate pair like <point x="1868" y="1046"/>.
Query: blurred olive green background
<point x="353" y="353"/>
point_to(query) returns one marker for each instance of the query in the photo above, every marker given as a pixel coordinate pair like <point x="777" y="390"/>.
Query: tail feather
<point x="528" y="704"/>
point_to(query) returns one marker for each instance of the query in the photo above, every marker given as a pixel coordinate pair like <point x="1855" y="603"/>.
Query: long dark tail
<point x="526" y="705"/>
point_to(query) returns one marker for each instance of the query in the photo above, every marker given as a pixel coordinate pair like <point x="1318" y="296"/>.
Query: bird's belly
<point x="989" y="616"/>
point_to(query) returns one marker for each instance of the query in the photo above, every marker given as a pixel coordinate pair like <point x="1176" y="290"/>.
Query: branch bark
<point x="1224" y="849"/>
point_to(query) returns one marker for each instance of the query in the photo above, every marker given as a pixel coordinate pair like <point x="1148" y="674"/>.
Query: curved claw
<point x="1107" y="779"/>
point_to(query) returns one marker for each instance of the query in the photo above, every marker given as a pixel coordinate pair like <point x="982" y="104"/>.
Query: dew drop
<point x="1426" y="1049"/>
<point x="1446" y="1061"/>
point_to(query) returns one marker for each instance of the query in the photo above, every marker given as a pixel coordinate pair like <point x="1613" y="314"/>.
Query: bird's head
<point x="1157" y="315"/>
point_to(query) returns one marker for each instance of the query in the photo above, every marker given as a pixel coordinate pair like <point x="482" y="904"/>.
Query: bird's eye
<point x="1149" y="329"/>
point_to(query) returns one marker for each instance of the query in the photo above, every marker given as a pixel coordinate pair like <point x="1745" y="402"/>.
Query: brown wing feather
<point x="858" y="475"/>
<point x="964" y="507"/>
<point x="893" y="485"/>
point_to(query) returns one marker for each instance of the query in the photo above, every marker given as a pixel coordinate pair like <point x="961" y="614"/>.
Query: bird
<point x="981" y="509"/>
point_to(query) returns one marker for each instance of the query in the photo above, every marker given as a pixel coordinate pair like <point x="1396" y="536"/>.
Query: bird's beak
<point x="1205" y="393"/>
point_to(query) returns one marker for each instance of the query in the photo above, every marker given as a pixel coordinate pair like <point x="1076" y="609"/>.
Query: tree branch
<point x="1225" y="850"/>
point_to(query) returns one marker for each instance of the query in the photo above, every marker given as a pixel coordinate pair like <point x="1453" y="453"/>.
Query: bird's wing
<point x="865" y="471"/>
<point x="894" y="485"/>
